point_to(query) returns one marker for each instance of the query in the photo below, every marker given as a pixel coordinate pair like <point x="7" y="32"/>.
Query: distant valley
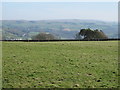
<point x="62" y="29"/>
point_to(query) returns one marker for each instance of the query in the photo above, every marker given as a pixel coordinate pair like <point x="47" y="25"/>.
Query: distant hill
<point x="64" y="29"/>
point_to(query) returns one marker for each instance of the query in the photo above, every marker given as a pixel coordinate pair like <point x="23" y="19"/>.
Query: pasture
<point x="73" y="64"/>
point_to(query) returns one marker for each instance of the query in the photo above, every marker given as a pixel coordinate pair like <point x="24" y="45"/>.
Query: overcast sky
<point x="105" y="11"/>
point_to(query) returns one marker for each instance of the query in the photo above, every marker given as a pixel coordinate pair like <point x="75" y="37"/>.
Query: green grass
<point x="80" y="64"/>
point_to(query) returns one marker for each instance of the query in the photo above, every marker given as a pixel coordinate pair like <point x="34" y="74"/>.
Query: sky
<point x="59" y="0"/>
<point x="105" y="11"/>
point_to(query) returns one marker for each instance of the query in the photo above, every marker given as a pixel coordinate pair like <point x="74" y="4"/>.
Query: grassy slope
<point x="60" y="64"/>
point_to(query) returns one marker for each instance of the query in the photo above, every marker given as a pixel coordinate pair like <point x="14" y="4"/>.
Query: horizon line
<point x="55" y="19"/>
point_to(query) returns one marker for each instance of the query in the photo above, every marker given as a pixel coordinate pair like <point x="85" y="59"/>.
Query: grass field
<point x="80" y="64"/>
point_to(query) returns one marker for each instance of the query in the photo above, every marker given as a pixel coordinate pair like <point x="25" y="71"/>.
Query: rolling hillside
<point x="64" y="29"/>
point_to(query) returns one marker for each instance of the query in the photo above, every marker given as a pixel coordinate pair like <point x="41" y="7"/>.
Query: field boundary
<point x="61" y="40"/>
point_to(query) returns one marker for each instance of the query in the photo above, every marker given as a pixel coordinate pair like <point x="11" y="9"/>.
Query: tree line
<point x="85" y="34"/>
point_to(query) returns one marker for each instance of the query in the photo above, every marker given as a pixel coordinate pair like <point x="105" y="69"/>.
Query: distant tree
<point x="92" y="34"/>
<point x="77" y="36"/>
<point x="43" y="36"/>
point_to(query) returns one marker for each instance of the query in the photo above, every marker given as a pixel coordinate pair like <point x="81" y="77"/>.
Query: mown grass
<point x="77" y="64"/>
